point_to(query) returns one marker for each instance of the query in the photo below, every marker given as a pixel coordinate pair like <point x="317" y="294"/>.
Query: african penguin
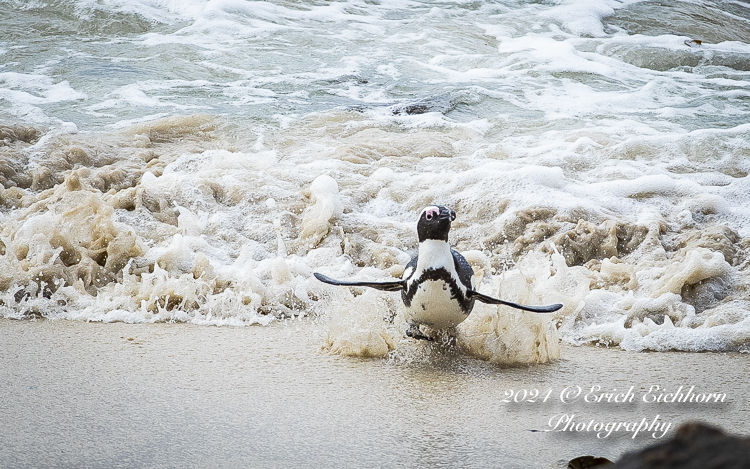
<point x="436" y="286"/>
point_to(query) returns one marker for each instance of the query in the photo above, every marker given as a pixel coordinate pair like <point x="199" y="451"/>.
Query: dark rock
<point x="589" y="462"/>
<point x="694" y="446"/>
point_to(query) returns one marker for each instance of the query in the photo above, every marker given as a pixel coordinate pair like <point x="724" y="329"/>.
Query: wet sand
<point x="78" y="394"/>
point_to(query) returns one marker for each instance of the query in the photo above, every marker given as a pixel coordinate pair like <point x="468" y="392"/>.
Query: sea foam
<point x="592" y="158"/>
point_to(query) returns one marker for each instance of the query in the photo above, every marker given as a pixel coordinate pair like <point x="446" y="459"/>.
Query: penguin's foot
<point x="415" y="333"/>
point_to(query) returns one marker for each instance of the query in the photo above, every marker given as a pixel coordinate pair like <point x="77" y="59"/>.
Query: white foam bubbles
<point x="326" y="208"/>
<point x="28" y="93"/>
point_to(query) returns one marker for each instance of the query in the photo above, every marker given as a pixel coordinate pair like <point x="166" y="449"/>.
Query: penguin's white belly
<point x="433" y="306"/>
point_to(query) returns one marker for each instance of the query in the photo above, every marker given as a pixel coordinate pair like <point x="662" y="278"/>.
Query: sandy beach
<point x="80" y="394"/>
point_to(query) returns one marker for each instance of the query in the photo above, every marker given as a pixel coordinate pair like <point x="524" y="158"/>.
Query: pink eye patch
<point x="431" y="212"/>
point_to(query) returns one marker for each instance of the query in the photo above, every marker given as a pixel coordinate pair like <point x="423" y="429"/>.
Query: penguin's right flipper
<point x="496" y="301"/>
<point x="395" y="285"/>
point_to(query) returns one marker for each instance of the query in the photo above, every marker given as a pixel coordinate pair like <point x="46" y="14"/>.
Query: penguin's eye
<point x="428" y="216"/>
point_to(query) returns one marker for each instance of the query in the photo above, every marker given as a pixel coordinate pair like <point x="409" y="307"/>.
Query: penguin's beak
<point x="447" y="215"/>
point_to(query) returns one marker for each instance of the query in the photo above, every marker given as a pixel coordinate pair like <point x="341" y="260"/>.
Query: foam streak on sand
<point x="593" y="160"/>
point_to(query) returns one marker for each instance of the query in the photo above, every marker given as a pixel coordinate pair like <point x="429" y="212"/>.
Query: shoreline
<point x="167" y="395"/>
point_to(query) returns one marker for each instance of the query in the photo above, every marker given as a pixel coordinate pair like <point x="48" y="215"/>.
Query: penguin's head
<point x="435" y="223"/>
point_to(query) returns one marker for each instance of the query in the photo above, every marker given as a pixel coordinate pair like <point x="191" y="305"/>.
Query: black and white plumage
<point x="436" y="286"/>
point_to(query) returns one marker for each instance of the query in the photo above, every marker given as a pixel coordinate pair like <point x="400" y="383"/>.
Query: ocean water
<point x="197" y="161"/>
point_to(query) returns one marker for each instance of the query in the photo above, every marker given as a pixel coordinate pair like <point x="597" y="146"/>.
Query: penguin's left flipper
<point x="395" y="285"/>
<point x="495" y="301"/>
